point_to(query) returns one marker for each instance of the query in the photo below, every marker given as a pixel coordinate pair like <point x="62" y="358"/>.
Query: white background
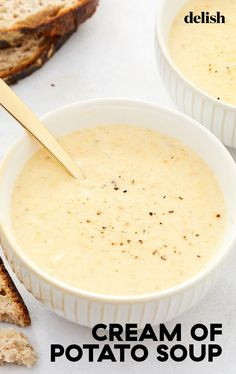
<point x="113" y="55"/>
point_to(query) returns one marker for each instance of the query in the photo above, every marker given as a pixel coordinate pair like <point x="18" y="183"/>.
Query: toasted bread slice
<point x="28" y="56"/>
<point x="19" y="18"/>
<point x="12" y="306"/>
<point x="16" y="349"/>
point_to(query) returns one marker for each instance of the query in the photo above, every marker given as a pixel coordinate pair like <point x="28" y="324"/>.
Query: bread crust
<point x="15" y="298"/>
<point x="44" y="53"/>
<point x="55" y="32"/>
<point x="62" y="22"/>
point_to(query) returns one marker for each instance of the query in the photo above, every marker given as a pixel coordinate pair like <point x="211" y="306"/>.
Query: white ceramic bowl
<point x="88" y="308"/>
<point x="217" y="116"/>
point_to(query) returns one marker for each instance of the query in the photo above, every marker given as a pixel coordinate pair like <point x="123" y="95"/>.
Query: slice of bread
<point x="12" y="306"/>
<point x="28" y="56"/>
<point x="19" y="18"/>
<point x="16" y="349"/>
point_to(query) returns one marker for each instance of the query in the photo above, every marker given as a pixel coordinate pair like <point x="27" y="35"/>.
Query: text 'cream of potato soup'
<point x="149" y="214"/>
<point x="203" y="46"/>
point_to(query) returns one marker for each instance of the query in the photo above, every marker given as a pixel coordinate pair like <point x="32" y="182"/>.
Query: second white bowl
<point x="218" y="117"/>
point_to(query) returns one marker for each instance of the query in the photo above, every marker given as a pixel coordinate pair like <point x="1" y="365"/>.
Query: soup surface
<point x="206" y="53"/>
<point x="148" y="215"/>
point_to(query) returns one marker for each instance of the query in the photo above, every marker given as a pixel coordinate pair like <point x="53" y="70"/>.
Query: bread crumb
<point x="16" y="349"/>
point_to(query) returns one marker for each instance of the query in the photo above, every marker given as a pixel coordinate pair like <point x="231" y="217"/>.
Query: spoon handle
<point x="15" y="106"/>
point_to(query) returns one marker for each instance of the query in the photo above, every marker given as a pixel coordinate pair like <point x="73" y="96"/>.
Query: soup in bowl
<point x="195" y="44"/>
<point x="142" y="236"/>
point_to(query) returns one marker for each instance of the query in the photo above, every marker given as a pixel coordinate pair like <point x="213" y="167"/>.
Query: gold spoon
<point x="15" y="106"/>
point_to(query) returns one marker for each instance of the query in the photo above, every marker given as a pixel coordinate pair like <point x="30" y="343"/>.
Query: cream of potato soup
<point x="148" y="215"/>
<point x="206" y="53"/>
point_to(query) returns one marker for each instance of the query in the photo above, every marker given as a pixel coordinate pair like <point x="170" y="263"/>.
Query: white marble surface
<point x="113" y="55"/>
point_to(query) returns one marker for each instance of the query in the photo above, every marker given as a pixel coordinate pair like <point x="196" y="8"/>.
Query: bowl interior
<point x="165" y="18"/>
<point x="115" y="112"/>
